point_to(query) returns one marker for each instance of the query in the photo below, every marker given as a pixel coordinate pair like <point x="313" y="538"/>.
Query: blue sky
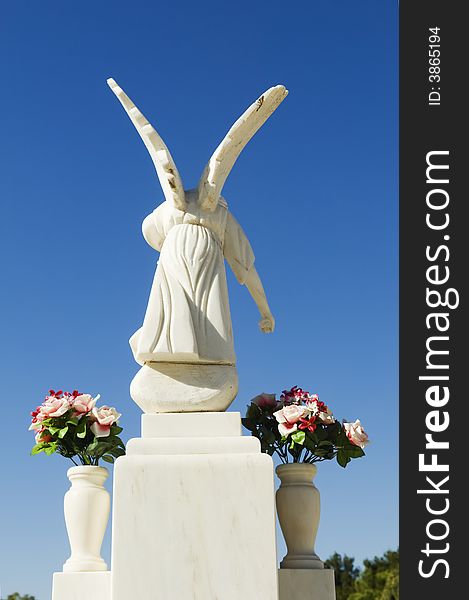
<point x="315" y="190"/>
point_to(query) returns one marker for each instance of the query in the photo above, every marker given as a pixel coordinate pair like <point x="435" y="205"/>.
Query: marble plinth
<point x="82" y="586"/>
<point x="306" y="584"/>
<point x="191" y="425"/>
<point x="194" y="517"/>
<point x="174" y="388"/>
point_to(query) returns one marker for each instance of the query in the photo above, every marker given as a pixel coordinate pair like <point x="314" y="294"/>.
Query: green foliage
<point x="346" y="574"/>
<point x="16" y="596"/>
<point x="379" y="579"/>
<point x="262" y="425"/>
<point x="74" y="438"/>
<point x="325" y="442"/>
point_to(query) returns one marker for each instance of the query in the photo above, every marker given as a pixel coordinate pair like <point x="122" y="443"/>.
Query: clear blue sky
<point x="315" y="190"/>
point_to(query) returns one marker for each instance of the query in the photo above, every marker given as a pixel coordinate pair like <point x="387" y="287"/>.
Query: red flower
<point x="294" y="396"/>
<point x="309" y="424"/>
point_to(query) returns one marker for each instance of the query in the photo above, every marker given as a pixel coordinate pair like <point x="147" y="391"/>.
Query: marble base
<point x="183" y="388"/>
<point x="194" y="517"/>
<point x="82" y="586"/>
<point x="306" y="584"/>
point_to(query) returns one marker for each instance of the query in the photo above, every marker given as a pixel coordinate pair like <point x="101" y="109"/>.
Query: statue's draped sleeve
<point x="237" y="249"/>
<point x="152" y="229"/>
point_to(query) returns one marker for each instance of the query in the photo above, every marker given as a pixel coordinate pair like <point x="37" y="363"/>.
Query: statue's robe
<point x="188" y="315"/>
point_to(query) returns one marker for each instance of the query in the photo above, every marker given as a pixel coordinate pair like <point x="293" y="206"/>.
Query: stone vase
<point x="298" y="508"/>
<point x="86" y="508"/>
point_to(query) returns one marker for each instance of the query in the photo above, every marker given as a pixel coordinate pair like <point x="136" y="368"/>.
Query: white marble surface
<point x="86" y="509"/>
<point x="189" y="425"/>
<point x="194" y="518"/>
<point x="233" y="445"/>
<point x="306" y="584"/>
<point x="222" y="160"/>
<point x="175" y="387"/>
<point x="82" y="586"/>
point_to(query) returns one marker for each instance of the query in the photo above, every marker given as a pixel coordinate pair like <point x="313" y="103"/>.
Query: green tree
<point x="379" y="579"/>
<point x="345" y="574"/>
<point x="17" y="596"/>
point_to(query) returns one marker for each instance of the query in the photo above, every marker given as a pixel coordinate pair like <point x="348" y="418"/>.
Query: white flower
<point x="84" y="403"/>
<point x="326" y="417"/>
<point x="105" y="417"/>
<point x="54" y="407"/>
<point x="356" y="434"/>
<point x="288" y="418"/>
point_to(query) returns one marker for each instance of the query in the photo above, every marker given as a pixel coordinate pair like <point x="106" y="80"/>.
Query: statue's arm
<point x="256" y="289"/>
<point x="240" y="257"/>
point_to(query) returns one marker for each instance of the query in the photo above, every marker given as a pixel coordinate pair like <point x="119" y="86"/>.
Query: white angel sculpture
<point x="186" y="334"/>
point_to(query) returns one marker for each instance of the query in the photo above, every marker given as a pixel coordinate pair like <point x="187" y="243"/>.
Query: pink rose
<point x="265" y="401"/>
<point x="356" y="434"/>
<point x="105" y="417"/>
<point x="288" y="418"/>
<point x="84" y="403"/>
<point x="53" y="407"/>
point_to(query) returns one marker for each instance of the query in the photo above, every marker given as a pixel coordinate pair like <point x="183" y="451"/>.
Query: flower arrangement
<point x="300" y="428"/>
<point x="73" y="426"/>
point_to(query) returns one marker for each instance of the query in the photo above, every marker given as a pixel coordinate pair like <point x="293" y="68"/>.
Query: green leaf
<point x="311" y="441"/>
<point x="63" y="432"/>
<point x="250" y="424"/>
<point x="37" y="449"/>
<point x="253" y="412"/>
<point x="92" y="447"/>
<point x="50" y="449"/>
<point x="321" y="433"/>
<point x="115" y="430"/>
<point x="320" y="452"/>
<point x="53" y="430"/>
<point x="81" y="429"/>
<point x="355" y="452"/>
<point x="108" y="459"/>
<point x="342" y="458"/>
<point x="117" y="452"/>
<point x="298" y="437"/>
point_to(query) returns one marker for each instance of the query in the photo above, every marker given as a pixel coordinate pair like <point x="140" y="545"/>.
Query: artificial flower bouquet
<point x="300" y="428"/>
<point x="72" y="425"/>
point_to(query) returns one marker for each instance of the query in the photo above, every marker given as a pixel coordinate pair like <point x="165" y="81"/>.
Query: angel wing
<point x="165" y="166"/>
<point x="222" y="161"/>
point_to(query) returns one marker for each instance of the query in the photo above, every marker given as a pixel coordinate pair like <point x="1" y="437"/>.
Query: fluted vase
<point x="86" y="508"/>
<point x="298" y="508"/>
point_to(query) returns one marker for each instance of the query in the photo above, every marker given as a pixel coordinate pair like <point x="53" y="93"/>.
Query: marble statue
<point x="185" y="345"/>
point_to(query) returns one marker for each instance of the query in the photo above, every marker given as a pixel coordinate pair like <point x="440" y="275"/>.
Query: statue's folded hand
<point x="267" y="324"/>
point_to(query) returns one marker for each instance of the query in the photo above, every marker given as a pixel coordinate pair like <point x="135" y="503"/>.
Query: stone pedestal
<point x="306" y="584"/>
<point x="82" y="586"/>
<point x="194" y="515"/>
